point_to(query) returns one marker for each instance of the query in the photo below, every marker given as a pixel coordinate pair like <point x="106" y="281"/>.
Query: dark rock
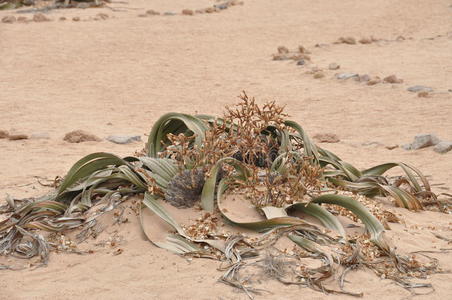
<point x="301" y="62"/>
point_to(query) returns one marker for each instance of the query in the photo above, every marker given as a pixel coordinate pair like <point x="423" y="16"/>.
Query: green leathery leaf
<point x="323" y="215"/>
<point x="86" y="166"/>
<point x="208" y="191"/>
<point x="174" y="123"/>
<point x="373" y="226"/>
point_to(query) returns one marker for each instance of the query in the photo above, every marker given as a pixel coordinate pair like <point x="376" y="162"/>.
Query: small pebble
<point x="423" y="94"/>
<point x="169" y="13"/>
<point x="40" y="18"/>
<point x="152" y="12"/>
<point x="318" y="75"/>
<point x="76" y="19"/>
<point x="422" y="141"/>
<point x="345" y="76"/>
<point x="326" y="138"/>
<point x="16" y="137"/>
<point x="79" y="136"/>
<point x="443" y="147"/>
<point x="62" y="19"/>
<point x="347" y="40"/>
<point x="392" y="79"/>
<point x="363" y="78"/>
<point x="123" y="139"/>
<point x="9" y="19"/>
<point x="419" y="88"/>
<point x="4" y="134"/>
<point x="301" y="62"/>
<point x="210" y="10"/>
<point x="40" y="136"/>
<point x="374" y="81"/>
<point x="392" y="147"/>
<point x="333" y="66"/>
<point x="365" y="41"/>
<point x="22" y="19"/>
<point x="187" y="12"/>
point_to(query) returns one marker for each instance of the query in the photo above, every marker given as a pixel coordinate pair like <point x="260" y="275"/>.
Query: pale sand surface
<point x="119" y="75"/>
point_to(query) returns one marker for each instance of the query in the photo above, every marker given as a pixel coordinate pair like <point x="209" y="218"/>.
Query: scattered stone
<point x="79" y="136"/>
<point x="422" y="141"/>
<point x="443" y="147"/>
<point x="76" y="19"/>
<point x="345" y="76"/>
<point x="363" y="78"/>
<point x="346" y="40"/>
<point x="423" y="94"/>
<point x="40" y="18"/>
<point x="200" y="11"/>
<point x="152" y="12"/>
<point x="40" y="136"/>
<point x="392" y="147"/>
<point x="4" y="134"/>
<point x="187" y="12"/>
<point x="374" y="81"/>
<point x="22" y="19"/>
<point x="419" y="88"/>
<point x="392" y="79"/>
<point x="169" y="13"/>
<point x="365" y="41"/>
<point x="123" y="139"/>
<point x="210" y="10"/>
<point x="372" y="144"/>
<point x="333" y="66"/>
<point x="9" y="19"/>
<point x="301" y="62"/>
<point x="103" y="16"/>
<point x="400" y="38"/>
<point x="283" y="50"/>
<point x="318" y="75"/>
<point x="326" y="138"/>
<point x="62" y="19"/>
<point x="222" y="6"/>
<point x="16" y="137"/>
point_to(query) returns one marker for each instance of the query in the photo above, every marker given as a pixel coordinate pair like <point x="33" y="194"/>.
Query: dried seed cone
<point x="185" y="188"/>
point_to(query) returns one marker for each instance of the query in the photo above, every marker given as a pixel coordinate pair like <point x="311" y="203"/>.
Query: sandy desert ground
<point x="118" y="75"/>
